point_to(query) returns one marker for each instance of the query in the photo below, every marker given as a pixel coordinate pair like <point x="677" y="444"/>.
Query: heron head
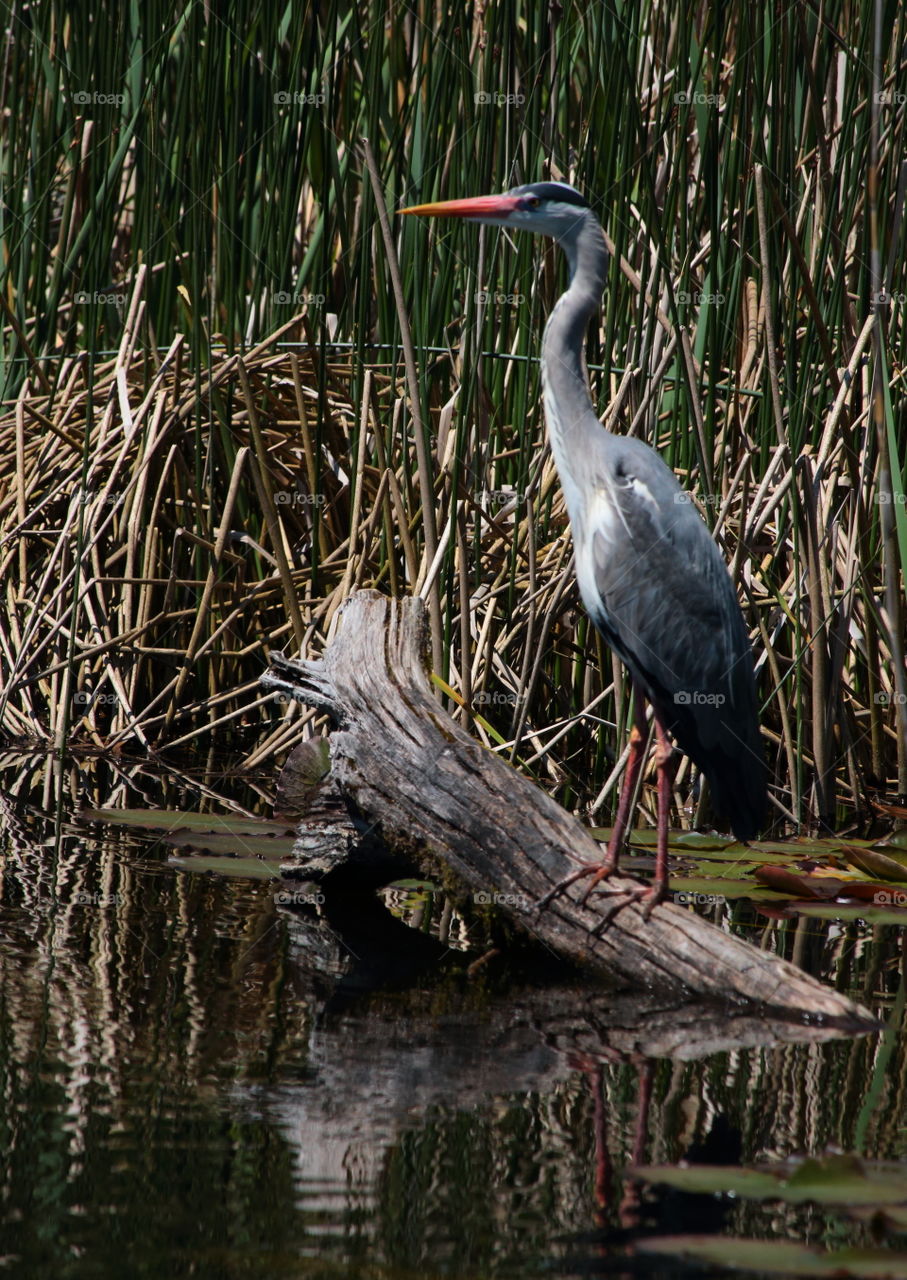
<point x="548" y="208"/>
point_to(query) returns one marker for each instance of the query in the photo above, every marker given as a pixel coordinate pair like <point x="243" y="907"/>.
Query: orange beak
<point x="476" y="207"/>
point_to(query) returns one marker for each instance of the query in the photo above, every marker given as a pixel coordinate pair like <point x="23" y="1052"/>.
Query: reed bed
<point x="237" y="390"/>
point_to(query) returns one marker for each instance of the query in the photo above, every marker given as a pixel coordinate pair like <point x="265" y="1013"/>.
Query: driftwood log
<point x="465" y="817"/>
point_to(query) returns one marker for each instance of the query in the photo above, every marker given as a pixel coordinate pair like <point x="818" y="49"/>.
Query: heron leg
<point x="664" y="763"/>
<point x="638" y="736"/>
<point x="658" y="890"/>
<point x="599" y="870"/>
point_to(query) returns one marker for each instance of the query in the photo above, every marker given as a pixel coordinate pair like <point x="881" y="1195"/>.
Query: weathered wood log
<point x="473" y="822"/>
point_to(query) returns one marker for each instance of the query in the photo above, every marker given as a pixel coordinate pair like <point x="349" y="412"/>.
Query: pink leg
<point x="665" y="767"/>
<point x="599" y="870"/>
<point x="658" y="890"/>
<point x="638" y="735"/>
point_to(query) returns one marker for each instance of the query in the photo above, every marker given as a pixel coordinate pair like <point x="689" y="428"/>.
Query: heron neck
<point x="568" y="404"/>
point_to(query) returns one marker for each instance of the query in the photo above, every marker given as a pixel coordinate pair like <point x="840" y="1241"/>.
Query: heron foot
<point x="656" y="893"/>
<point x="598" y="871"/>
<point x="617" y="904"/>
<point x="650" y="895"/>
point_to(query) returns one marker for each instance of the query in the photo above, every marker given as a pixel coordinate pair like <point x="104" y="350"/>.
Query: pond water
<point x="197" y="1081"/>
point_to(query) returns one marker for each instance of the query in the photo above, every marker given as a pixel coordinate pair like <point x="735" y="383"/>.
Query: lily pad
<point x="781" y="1257"/>
<point x="241" y="868"/>
<point x="173" y="820"/>
<point x="698" y="840"/>
<point x="847" y="1180"/>
<point x="720" y="887"/>
<point x="799" y="886"/>
<point x="804" y="846"/>
<point x="230" y="844"/>
<point x="831" y="1180"/>
<point x="742" y="855"/>
<point x="891" y="865"/>
<point x="705" y="870"/>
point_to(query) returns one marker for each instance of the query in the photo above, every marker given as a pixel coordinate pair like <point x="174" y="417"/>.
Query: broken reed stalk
<point x="161" y="649"/>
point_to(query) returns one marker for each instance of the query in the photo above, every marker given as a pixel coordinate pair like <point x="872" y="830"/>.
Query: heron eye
<point x="533" y="202"/>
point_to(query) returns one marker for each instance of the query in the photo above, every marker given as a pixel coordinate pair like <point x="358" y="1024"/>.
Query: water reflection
<point x="197" y="1081"/>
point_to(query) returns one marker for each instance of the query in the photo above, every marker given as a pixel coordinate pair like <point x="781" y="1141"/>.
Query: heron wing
<point x="657" y="588"/>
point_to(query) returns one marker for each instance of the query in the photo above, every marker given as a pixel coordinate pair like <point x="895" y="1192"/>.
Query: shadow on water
<point x="198" y="1080"/>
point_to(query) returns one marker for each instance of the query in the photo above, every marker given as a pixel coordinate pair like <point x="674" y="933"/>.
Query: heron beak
<point x="477" y="207"/>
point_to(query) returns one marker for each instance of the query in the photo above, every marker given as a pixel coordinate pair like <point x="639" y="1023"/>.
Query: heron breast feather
<point x="596" y="540"/>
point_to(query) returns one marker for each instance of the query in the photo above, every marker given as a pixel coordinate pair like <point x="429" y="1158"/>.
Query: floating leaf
<point x="871" y="891"/>
<point x="739" y="855"/>
<point x="847" y="1180"/>
<point x="230" y="844"/>
<point x="802" y="846"/>
<point x="802" y="870"/>
<point x="242" y="868"/>
<point x="716" y="886"/>
<point x="698" y="840"/>
<point x="705" y="870"/>
<point x="799" y="886"/>
<point x="838" y="1180"/>
<point x="891" y="865"/>
<point x="174" y="820"/>
<point x="711" y="1179"/>
<point x="781" y="1257"/>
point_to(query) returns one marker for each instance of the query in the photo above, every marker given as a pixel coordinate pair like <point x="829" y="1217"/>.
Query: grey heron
<point x="649" y="572"/>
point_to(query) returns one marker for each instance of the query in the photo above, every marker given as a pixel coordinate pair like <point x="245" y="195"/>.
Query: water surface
<point x="197" y="1081"/>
